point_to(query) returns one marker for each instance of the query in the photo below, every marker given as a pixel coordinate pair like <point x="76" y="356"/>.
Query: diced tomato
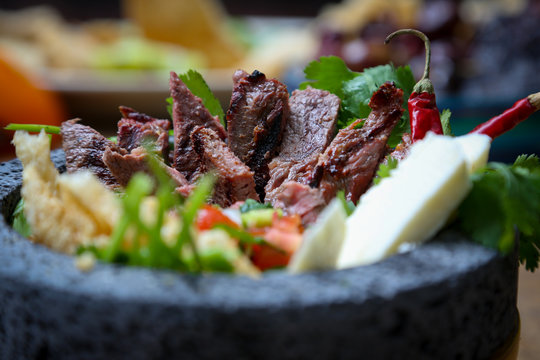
<point x="209" y="216"/>
<point x="284" y="238"/>
<point x="265" y="257"/>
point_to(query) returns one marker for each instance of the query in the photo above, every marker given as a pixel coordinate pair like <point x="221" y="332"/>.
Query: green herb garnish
<point x="385" y="169"/>
<point x="445" y="122"/>
<point x="347" y="204"/>
<point x="355" y="89"/>
<point x="198" y="86"/>
<point x="251" y="204"/>
<point x="505" y="199"/>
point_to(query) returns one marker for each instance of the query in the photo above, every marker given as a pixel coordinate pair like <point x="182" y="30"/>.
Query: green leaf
<point x="20" y="224"/>
<point x="358" y="91"/>
<point x="445" y="121"/>
<point x="251" y="204"/>
<point x="327" y="73"/>
<point x="530" y="162"/>
<point x="169" y="102"/>
<point x="385" y="169"/>
<point x="347" y="204"/>
<point x="196" y="84"/>
<point x="505" y="198"/>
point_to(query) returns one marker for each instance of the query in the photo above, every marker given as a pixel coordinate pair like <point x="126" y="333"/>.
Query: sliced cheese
<point x="322" y="242"/>
<point x="476" y="149"/>
<point x="411" y="205"/>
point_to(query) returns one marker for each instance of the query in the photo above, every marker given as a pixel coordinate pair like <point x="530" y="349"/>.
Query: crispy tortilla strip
<point x="64" y="211"/>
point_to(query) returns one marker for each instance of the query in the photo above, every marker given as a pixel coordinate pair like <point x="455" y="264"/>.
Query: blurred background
<point x="63" y="59"/>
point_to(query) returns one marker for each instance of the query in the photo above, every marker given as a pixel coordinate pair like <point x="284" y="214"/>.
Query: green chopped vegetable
<point x="49" y="129"/>
<point x="259" y="217"/>
<point x="505" y="199"/>
<point x="198" y="86"/>
<point x="20" y="224"/>
<point x="251" y="204"/>
<point x="242" y="236"/>
<point x="385" y="169"/>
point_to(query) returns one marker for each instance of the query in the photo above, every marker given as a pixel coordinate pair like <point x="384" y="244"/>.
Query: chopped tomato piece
<point x="209" y="216"/>
<point x="283" y="237"/>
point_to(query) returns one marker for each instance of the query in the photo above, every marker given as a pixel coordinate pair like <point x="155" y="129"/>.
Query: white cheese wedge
<point x="411" y="205"/>
<point x="322" y="242"/>
<point x="476" y="149"/>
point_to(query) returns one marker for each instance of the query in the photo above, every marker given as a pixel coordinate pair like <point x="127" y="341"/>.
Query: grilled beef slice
<point x="188" y="113"/>
<point x="84" y="148"/>
<point x="351" y="160"/>
<point x="124" y="166"/>
<point x="300" y="199"/>
<point x="310" y="129"/>
<point x="234" y="179"/>
<point x="135" y="128"/>
<point x="256" y="120"/>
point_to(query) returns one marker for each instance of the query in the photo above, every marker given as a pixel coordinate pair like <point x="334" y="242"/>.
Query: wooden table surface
<point x="529" y="308"/>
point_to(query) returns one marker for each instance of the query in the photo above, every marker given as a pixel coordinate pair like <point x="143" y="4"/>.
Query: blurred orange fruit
<point x="23" y="101"/>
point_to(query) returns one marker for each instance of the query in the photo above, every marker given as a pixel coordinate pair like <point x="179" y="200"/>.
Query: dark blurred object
<point x="275" y="7"/>
<point x="506" y="58"/>
<point x="72" y="10"/>
<point x="89" y="9"/>
<point x="362" y="46"/>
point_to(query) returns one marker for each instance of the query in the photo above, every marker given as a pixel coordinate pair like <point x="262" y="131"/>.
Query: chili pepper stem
<point x="424" y="84"/>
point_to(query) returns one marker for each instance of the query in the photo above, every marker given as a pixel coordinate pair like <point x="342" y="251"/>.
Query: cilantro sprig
<point x="356" y="88"/>
<point x="198" y="86"/>
<point x="505" y="199"/>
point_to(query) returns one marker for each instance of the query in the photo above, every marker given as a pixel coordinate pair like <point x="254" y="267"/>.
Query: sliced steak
<point x="135" y="128"/>
<point x="256" y="120"/>
<point x="300" y="199"/>
<point x="124" y="166"/>
<point x="188" y="113"/>
<point x="84" y="148"/>
<point x="351" y="160"/>
<point x="310" y="129"/>
<point x="234" y="179"/>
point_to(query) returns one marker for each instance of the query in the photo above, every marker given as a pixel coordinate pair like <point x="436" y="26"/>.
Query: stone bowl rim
<point x="382" y="281"/>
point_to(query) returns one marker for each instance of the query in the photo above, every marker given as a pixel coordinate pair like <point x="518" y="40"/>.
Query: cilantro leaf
<point x="445" y="121"/>
<point x="385" y="169"/>
<point x="198" y="86"/>
<point x="20" y="224"/>
<point x="355" y="89"/>
<point x="506" y="198"/>
<point x="328" y="73"/>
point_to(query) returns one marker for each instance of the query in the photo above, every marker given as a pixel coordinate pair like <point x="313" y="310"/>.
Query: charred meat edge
<point x="234" y="179"/>
<point x="352" y="158"/>
<point x="256" y="119"/>
<point x="188" y="113"/>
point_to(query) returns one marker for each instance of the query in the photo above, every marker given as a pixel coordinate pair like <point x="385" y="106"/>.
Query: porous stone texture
<point x="447" y="299"/>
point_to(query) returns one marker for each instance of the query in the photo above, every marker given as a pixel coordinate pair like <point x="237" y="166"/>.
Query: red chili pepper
<point x="423" y="113"/>
<point x="506" y="121"/>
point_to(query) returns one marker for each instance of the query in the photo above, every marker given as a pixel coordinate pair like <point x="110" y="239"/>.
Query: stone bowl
<point x="447" y="299"/>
